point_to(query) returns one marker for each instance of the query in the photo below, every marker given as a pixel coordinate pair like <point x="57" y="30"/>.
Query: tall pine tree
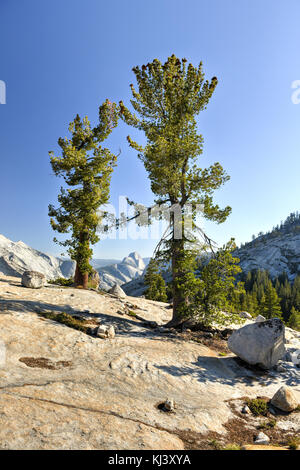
<point x="86" y="167"/>
<point x="166" y="102"/>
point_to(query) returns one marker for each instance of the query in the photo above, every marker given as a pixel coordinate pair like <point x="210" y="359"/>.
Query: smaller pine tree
<point x="270" y="304"/>
<point x="155" y="282"/>
<point x="216" y="288"/>
<point x="294" y="320"/>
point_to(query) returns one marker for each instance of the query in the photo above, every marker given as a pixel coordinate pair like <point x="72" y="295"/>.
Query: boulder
<point x="259" y="343"/>
<point x="33" y="279"/>
<point x="284" y="399"/>
<point x="117" y="291"/>
<point x="246" y="315"/>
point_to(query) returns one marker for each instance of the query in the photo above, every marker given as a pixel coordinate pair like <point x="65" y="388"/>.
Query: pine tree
<point x="156" y="286"/>
<point x="166" y="103"/>
<point x="270" y="306"/>
<point x="294" y="320"/>
<point x="86" y="168"/>
<point x="216" y="287"/>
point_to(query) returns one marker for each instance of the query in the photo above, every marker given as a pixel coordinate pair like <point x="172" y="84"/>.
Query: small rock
<point x="102" y="331"/>
<point x="169" y="404"/>
<point x="33" y="279"/>
<point x="117" y="291"/>
<point x="260" y="318"/>
<point x="111" y="332"/>
<point x="246" y="315"/>
<point x="262" y="438"/>
<point x="284" y="399"/>
<point x="105" y="331"/>
<point x="246" y="410"/>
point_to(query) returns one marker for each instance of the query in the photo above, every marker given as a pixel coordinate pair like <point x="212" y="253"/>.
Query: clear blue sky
<point x="59" y="58"/>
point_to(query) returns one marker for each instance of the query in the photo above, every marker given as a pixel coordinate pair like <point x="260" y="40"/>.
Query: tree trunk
<point x="178" y="299"/>
<point x="177" y="248"/>
<point x="81" y="279"/>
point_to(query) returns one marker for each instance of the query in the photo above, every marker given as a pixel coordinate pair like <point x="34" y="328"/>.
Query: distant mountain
<point x="277" y="251"/>
<point x="17" y="257"/>
<point x="130" y="268"/>
<point x="100" y="263"/>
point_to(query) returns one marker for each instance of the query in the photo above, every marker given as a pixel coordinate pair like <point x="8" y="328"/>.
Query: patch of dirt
<point x="44" y="363"/>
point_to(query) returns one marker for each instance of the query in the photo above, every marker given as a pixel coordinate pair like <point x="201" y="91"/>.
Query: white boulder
<point x="117" y="291"/>
<point x="259" y="343"/>
<point x="33" y="279"/>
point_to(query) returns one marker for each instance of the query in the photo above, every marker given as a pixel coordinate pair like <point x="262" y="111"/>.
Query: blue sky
<point x="65" y="57"/>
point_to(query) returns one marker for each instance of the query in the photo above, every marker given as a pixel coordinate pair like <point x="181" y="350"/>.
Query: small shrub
<point x="215" y="444"/>
<point x="232" y="447"/>
<point x="294" y="443"/>
<point x="268" y="424"/>
<point x="61" y="281"/>
<point x="131" y="313"/>
<point x="66" y="319"/>
<point x="258" y="406"/>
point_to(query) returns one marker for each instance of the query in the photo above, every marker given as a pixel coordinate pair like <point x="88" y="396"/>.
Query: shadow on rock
<point x="226" y="371"/>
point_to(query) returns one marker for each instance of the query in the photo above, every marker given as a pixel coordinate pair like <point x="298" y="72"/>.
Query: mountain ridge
<point x="17" y="257"/>
<point x="277" y="251"/>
